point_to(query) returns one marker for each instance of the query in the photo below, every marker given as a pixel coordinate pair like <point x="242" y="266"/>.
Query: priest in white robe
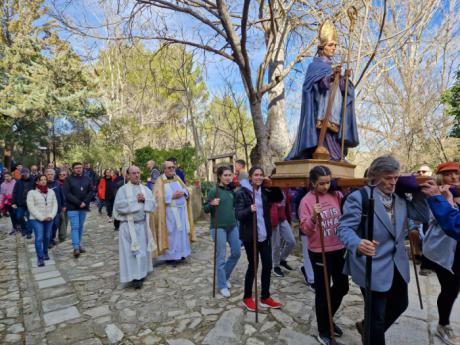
<point x="174" y="224"/>
<point x="132" y="204"/>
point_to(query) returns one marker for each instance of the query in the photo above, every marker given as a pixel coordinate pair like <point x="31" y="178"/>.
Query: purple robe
<point x="306" y="139"/>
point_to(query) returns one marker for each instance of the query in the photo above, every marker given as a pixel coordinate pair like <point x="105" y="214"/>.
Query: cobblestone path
<point x="80" y="301"/>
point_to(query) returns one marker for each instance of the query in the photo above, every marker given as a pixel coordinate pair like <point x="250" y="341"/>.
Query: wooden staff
<point x="368" y="283"/>
<point x="326" y="274"/>
<point x="412" y="234"/>
<point x="352" y="14"/>
<point x="254" y="248"/>
<point x="216" y="217"/>
<point x="321" y="152"/>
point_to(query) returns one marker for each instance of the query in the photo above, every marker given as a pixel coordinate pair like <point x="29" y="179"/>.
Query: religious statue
<point x="328" y="100"/>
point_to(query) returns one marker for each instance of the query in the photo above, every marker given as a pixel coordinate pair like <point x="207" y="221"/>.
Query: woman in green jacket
<point x="221" y="200"/>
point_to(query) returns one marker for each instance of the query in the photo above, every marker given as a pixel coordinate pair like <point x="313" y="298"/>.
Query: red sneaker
<point x="270" y="303"/>
<point x="249" y="304"/>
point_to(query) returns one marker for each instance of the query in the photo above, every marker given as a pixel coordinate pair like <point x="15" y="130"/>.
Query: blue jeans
<point x="77" y="222"/>
<point x="42" y="236"/>
<point x="22" y="218"/>
<point x="224" y="268"/>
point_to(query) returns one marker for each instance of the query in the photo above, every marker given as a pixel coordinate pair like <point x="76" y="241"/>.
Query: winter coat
<point x="20" y="190"/>
<point x="243" y="212"/>
<point x="78" y="189"/>
<point x="59" y="192"/>
<point x="41" y="205"/>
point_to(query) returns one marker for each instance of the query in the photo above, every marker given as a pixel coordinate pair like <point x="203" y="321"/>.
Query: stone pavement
<point x="80" y="301"/>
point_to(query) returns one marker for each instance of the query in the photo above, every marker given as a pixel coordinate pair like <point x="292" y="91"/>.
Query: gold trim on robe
<point x="158" y="218"/>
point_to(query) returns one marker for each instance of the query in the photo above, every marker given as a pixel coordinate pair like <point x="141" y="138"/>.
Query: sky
<point x="217" y="70"/>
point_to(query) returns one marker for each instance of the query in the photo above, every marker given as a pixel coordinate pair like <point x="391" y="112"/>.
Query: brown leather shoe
<point x="76" y="253"/>
<point x="82" y="251"/>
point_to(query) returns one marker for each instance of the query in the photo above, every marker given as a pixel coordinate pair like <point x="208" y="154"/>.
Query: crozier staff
<point x="320" y="95"/>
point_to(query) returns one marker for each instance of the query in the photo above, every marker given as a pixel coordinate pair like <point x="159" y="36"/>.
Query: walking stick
<point x="412" y="250"/>
<point x="254" y="249"/>
<point x="368" y="296"/>
<point x="326" y="275"/>
<point x="352" y="14"/>
<point x="216" y="217"/>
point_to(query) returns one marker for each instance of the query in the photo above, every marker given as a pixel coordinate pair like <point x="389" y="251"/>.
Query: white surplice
<point x="135" y="242"/>
<point x="176" y="222"/>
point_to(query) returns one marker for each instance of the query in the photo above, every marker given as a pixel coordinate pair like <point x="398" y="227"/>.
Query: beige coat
<point x="41" y="205"/>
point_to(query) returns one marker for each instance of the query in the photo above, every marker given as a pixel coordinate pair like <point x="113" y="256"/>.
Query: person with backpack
<point x="322" y="204"/>
<point x="389" y="272"/>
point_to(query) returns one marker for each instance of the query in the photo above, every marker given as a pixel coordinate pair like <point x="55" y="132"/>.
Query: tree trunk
<point x="259" y="154"/>
<point x="200" y="157"/>
<point x="278" y="138"/>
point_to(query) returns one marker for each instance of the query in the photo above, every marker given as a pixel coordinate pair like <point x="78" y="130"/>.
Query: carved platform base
<point x="295" y="173"/>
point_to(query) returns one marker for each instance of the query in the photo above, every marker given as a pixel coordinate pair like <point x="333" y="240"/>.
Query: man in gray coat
<point x="390" y="268"/>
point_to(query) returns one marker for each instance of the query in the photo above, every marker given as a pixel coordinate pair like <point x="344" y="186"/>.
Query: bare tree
<point x="228" y="30"/>
<point x="400" y="103"/>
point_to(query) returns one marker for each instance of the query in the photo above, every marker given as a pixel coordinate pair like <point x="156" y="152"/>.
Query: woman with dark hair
<point x="42" y="206"/>
<point x="322" y="203"/>
<point x="245" y="207"/>
<point x="221" y="203"/>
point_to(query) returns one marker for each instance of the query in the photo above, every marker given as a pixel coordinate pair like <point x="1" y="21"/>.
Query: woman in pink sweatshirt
<point x="329" y="210"/>
<point x="6" y="196"/>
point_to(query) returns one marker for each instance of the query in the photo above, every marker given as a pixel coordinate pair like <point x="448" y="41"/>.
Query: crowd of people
<point x="156" y="220"/>
<point x="333" y="231"/>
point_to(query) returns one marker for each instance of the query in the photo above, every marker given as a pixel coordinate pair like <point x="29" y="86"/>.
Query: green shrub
<point x="185" y="159"/>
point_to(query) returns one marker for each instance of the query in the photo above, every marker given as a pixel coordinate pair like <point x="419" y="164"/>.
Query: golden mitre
<point x="327" y="33"/>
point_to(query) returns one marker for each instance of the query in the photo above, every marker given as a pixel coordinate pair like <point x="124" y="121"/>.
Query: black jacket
<point x="78" y="189"/>
<point x="117" y="184"/>
<point x="59" y="194"/>
<point x="20" y="190"/>
<point x="243" y="212"/>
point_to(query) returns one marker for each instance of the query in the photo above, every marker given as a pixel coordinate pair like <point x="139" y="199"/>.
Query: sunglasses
<point x="422" y="171"/>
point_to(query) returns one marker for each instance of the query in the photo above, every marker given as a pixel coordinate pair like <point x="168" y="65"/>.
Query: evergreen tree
<point x="452" y="100"/>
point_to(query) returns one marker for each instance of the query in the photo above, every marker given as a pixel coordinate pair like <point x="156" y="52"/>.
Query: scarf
<point x="43" y="189"/>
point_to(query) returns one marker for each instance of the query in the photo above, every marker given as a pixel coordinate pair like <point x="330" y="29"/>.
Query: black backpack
<point x="364" y="207"/>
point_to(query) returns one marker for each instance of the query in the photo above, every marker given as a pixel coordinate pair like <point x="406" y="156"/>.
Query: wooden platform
<point x="295" y="173"/>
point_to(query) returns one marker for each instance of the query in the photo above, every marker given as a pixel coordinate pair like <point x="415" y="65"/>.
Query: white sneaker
<point x="225" y="292"/>
<point x="446" y="334"/>
<point x="229" y="285"/>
